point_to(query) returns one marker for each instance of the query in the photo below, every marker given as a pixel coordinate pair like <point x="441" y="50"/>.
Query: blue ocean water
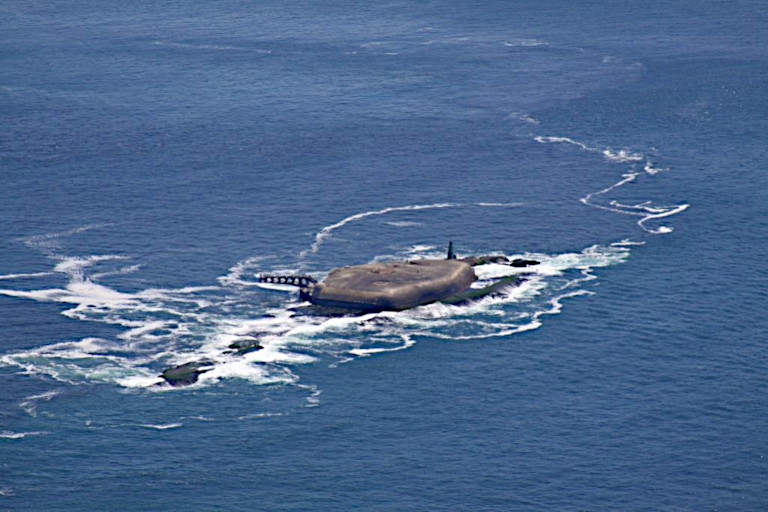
<point x="157" y="156"/>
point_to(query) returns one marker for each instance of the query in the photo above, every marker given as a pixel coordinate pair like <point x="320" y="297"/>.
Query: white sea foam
<point x="7" y="434"/>
<point x="650" y="169"/>
<point x="416" y="249"/>
<point x="626" y="243"/>
<point x="29" y="404"/>
<point x="365" y="352"/>
<point x="562" y="140"/>
<point x="123" y="270"/>
<point x="261" y="415"/>
<point x="499" y="205"/>
<point x="313" y="399"/>
<point x="643" y="210"/>
<point x="161" y="426"/>
<point x="647" y="213"/>
<point x="235" y="274"/>
<point x="623" y="155"/>
<point x="26" y="276"/>
<point x="276" y="287"/>
<point x="139" y="381"/>
<point x="327" y="230"/>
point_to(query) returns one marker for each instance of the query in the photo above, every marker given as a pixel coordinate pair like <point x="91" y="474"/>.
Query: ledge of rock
<point x="185" y="374"/>
<point x="523" y="263"/>
<point x="482" y="260"/>
<point x="245" y="345"/>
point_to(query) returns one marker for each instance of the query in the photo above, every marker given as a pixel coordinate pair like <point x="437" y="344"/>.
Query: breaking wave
<point x="8" y="434"/>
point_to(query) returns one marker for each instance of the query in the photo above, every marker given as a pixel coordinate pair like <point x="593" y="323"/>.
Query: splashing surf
<point x="162" y="327"/>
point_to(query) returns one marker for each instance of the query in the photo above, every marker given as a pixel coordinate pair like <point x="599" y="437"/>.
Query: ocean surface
<point x="157" y="156"/>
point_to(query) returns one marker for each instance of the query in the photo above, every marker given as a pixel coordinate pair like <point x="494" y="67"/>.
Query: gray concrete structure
<point x="391" y="286"/>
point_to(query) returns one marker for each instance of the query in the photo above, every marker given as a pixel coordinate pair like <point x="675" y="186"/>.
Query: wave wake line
<point x="325" y="232"/>
<point x="643" y="210"/>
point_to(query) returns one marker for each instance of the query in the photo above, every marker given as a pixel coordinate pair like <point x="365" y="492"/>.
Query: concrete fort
<point x="394" y="285"/>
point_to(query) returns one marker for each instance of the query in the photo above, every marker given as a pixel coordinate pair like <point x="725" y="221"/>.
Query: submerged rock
<point x="185" y="374"/>
<point x="245" y="345"/>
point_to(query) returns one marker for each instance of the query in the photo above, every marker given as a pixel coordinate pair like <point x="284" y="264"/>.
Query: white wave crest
<point x="8" y="434"/>
<point x="650" y="169"/>
<point x="562" y="140"/>
<point x="25" y="275"/>
<point x="366" y="352"/>
<point x="525" y="43"/>
<point x="621" y="156"/>
<point x="162" y="426"/>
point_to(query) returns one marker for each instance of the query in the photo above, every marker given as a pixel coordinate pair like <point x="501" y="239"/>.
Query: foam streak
<point x="326" y="231"/>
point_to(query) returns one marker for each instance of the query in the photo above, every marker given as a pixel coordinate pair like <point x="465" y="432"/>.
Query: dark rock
<point x="185" y="374"/>
<point x="482" y="260"/>
<point x="245" y="346"/>
<point x="523" y="263"/>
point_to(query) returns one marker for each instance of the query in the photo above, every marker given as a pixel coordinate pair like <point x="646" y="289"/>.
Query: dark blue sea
<point x="156" y="157"/>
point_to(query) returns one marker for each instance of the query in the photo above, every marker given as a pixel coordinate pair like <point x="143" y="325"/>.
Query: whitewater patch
<point x="621" y="156"/>
<point x="165" y="327"/>
<point x="25" y="275"/>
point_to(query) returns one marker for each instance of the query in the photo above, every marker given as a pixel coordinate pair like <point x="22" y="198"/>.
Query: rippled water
<point x="156" y="160"/>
